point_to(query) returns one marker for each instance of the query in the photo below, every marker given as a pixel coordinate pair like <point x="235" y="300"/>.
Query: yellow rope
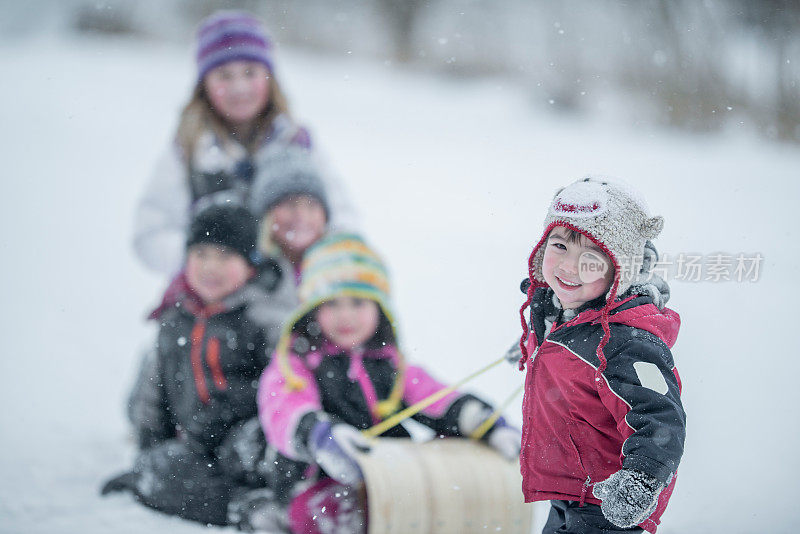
<point x="400" y="416"/>
<point x="486" y="425"/>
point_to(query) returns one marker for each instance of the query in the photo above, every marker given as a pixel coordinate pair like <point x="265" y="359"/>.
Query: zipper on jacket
<point x="584" y="489"/>
<point x="588" y="481"/>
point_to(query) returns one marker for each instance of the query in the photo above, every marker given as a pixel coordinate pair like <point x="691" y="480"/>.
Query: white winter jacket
<point x="164" y="210"/>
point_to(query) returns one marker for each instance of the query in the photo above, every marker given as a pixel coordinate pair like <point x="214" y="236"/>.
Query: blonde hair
<point x="199" y="115"/>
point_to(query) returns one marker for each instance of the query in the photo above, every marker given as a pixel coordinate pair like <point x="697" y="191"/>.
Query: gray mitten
<point x="629" y="497"/>
<point x="257" y="510"/>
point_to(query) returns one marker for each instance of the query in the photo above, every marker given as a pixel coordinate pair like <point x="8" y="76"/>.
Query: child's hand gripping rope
<point x="477" y="419"/>
<point x="504" y="438"/>
<point x="333" y="447"/>
<point x="404" y="414"/>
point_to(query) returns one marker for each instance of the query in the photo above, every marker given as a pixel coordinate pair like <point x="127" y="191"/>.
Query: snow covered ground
<point x="453" y="177"/>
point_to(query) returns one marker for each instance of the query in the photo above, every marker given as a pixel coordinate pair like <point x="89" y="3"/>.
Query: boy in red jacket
<point x="603" y="425"/>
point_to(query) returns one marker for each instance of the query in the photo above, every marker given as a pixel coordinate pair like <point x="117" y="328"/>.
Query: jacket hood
<point x="638" y="312"/>
<point x="664" y="323"/>
<point x="177" y="293"/>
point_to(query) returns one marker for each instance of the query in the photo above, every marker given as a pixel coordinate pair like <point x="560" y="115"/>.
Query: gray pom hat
<point x="611" y="214"/>
<point x="285" y="172"/>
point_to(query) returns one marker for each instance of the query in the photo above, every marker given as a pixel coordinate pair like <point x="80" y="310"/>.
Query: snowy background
<point x="452" y="176"/>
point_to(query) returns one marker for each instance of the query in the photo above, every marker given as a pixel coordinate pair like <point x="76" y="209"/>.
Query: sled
<point x="442" y="486"/>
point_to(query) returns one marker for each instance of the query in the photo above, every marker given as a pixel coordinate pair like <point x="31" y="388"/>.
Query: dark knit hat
<point x="289" y="171"/>
<point x="230" y="36"/>
<point x="233" y="227"/>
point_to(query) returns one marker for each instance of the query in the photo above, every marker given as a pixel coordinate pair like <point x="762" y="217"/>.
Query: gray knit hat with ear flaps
<point x="612" y="214"/>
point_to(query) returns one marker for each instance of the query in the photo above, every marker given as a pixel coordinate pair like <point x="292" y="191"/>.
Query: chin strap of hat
<point x="293" y="382"/>
<point x="387" y="407"/>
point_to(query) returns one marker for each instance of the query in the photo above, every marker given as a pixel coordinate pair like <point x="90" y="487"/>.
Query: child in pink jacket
<point x="337" y="371"/>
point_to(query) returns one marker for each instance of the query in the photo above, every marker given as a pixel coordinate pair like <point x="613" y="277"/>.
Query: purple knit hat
<point x="230" y="36"/>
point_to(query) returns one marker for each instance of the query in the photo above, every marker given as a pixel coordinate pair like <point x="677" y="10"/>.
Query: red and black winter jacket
<point x="587" y="415"/>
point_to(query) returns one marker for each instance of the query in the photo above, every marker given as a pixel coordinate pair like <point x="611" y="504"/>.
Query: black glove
<point x="513" y="354"/>
<point x="629" y="497"/>
<point x="123" y="482"/>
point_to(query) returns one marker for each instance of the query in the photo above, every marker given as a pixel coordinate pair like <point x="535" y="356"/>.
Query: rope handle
<point x="417" y="407"/>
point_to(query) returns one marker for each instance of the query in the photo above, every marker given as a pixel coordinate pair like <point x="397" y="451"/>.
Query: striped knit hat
<point x="230" y="36"/>
<point x="341" y="265"/>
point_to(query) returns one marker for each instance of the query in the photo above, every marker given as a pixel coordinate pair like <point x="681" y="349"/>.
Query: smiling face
<point x="214" y="272"/>
<point x="348" y="322"/>
<point x="297" y="223"/>
<point x="238" y="90"/>
<point x="576" y="269"/>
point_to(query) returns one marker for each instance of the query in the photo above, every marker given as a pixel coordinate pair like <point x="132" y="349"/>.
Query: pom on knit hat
<point x="233" y="227"/>
<point x="283" y="173"/>
<point x="230" y="36"/>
